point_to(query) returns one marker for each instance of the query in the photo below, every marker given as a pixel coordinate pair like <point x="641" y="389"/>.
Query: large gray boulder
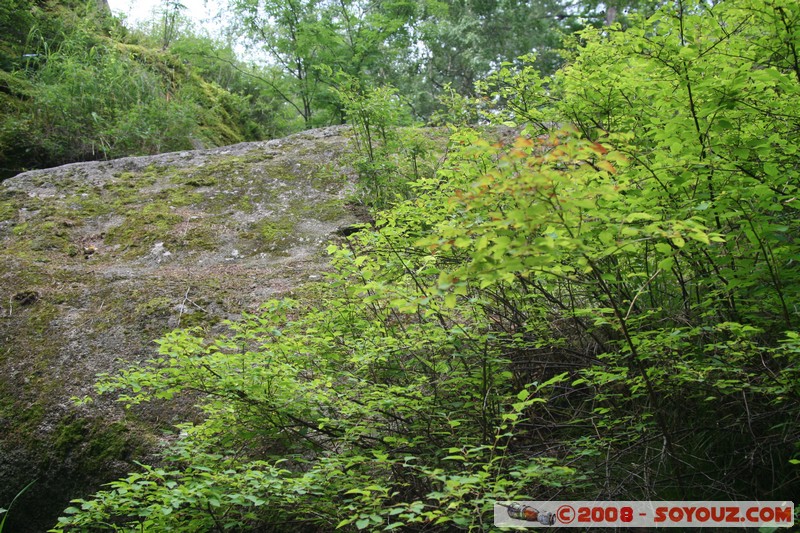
<point x="99" y="259"/>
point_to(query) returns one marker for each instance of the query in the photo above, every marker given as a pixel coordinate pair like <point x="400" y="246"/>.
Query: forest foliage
<point x="77" y="83"/>
<point x="602" y="304"/>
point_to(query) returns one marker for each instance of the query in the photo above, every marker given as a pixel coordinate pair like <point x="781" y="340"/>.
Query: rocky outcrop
<point x="99" y="259"/>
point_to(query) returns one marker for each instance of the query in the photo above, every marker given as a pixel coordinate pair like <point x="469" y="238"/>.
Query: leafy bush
<point x="600" y="311"/>
<point x="386" y="157"/>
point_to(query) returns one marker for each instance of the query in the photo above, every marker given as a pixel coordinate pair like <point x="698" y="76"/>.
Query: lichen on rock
<point x="99" y="259"/>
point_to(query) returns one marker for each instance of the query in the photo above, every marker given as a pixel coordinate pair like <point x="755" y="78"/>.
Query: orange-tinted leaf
<point x="523" y="142"/>
<point x="605" y="165"/>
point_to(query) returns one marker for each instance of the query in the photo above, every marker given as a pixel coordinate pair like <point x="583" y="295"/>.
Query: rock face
<point x="99" y="259"/>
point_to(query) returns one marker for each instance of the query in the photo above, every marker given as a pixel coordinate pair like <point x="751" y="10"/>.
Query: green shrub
<point x="602" y="311"/>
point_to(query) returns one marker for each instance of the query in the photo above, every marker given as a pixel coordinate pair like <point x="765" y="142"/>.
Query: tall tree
<point x="418" y="46"/>
<point x="171" y="18"/>
<point x="308" y="41"/>
<point x="294" y="33"/>
<point x="468" y="38"/>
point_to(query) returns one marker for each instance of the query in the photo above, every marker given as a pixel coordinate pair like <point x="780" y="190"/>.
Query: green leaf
<point x="663" y="248"/>
<point x="450" y="300"/>
<point x="666" y="264"/>
<point x="771" y="170"/>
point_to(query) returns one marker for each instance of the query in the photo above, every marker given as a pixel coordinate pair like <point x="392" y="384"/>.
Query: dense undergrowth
<point x="76" y="85"/>
<point x="601" y="310"/>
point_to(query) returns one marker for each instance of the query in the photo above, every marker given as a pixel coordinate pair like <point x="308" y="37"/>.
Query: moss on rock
<point x="119" y="253"/>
